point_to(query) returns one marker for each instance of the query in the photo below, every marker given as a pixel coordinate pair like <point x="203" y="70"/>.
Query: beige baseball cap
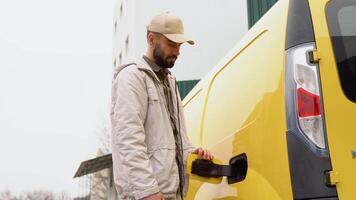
<point x="170" y="26"/>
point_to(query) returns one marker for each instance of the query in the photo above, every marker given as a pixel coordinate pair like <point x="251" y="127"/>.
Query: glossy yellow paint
<point x="339" y="111"/>
<point x="239" y="108"/>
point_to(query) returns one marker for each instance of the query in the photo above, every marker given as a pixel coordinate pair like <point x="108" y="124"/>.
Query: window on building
<point x="120" y="58"/>
<point x="121" y="10"/>
<point x="127" y="44"/>
<point x="115" y="26"/>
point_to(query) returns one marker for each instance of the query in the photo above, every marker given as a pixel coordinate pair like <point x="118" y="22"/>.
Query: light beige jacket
<point x="143" y="146"/>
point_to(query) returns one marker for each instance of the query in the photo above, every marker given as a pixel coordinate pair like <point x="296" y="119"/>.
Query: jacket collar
<point x="143" y="65"/>
<point x="152" y="64"/>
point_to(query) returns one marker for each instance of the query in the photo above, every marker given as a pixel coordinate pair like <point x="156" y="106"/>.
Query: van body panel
<point x="340" y="112"/>
<point x="239" y="108"/>
<point x="193" y="104"/>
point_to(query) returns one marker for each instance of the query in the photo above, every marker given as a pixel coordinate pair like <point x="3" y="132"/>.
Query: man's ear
<point x="151" y="39"/>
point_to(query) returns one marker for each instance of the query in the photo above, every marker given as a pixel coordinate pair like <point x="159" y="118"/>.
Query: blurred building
<point x="98" y="175"/>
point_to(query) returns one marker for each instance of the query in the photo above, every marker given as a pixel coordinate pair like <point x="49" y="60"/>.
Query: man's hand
<point x="156" y="196"/>
<point x="203" y="153"/>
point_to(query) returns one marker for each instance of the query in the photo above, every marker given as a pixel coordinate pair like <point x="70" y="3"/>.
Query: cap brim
<point x="179" y="38"/>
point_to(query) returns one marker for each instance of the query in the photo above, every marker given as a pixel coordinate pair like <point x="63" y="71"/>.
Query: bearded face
<point x="163" y="60"/>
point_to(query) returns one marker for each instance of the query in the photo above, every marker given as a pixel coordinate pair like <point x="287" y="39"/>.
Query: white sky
<point x="55" y="79"/>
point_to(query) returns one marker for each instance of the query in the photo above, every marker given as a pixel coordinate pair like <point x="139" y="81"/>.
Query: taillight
<point x="306" y="99"/>
<point x="308" y="104"/>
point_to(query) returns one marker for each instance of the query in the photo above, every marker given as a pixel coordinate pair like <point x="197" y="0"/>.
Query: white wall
<point x="125" y="20"/>
<point x="214" y="25"/>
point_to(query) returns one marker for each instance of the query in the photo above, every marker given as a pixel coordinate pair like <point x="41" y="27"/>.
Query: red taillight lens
<point x="306" y="99"/>
<point x="308" y="103"/>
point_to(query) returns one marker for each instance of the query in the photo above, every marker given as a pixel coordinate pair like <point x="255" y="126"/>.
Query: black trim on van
<point x="307" y="170"/>
<point x="299" y="27"/>
<point x="307" y="164"/>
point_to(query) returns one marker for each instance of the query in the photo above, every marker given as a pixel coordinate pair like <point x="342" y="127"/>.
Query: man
<point x="149" y="141"/>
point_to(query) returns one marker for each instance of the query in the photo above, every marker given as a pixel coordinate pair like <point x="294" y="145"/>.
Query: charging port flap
<point x="235" y="172"/>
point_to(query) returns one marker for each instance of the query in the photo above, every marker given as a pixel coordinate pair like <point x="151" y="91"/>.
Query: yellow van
<point x="278" y="112"/>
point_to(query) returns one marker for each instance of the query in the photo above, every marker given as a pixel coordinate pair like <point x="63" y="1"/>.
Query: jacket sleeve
<point x="128" y="134"/>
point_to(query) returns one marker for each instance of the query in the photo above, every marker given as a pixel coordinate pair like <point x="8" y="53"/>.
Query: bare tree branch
<point x="35" y="195"/>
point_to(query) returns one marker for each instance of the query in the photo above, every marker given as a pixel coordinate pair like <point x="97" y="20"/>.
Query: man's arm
<point x="128" y="134"/>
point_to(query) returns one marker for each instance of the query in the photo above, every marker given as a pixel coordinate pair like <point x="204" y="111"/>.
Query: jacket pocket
<point x="165" y="169"/>
<point x="152" y="93"/>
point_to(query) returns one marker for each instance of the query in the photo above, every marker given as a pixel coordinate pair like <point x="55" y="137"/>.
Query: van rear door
<point x="335" y="33"/>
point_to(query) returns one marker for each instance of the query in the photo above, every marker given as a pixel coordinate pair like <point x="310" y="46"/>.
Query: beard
<point x="161" y="59"/>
